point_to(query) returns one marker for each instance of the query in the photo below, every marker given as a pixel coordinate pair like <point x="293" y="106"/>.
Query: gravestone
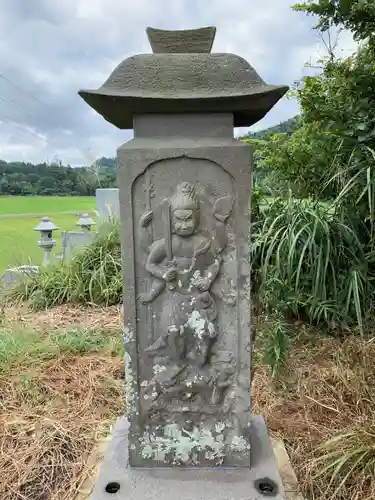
<point x="185" y="186"/>
<point x="17" y="274"/>
<point x="107" y="205"/>
<point x="72" y="241"/>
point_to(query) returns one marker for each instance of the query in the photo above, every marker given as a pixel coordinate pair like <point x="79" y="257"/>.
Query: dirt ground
<point x="53" y="411"/>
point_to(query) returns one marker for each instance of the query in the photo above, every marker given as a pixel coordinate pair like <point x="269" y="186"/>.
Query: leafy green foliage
<point x="337" y="132"/>
<point x="262" y="171"/>
<point x="357" y="16"/>
<point x="299" y="161"/>
<point x="316" y="257"/>
<point x="311" y="264"/>
<point x="277" y="333"/>
<point x="19" y="178"/>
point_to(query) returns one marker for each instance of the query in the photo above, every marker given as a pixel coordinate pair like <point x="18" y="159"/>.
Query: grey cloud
<point x="55" y="13"/>
<point x="52" y="49"/>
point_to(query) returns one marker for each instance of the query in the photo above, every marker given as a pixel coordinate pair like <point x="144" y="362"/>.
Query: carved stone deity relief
<point x="183" y="239"/>
<point x="189" y="360"/>
<point x="183" y="265"/>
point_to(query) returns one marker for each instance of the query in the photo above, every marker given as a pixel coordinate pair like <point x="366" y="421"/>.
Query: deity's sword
<point x="171" y="285"/>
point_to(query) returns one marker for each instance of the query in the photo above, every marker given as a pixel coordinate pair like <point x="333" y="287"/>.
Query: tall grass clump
<point x="310" y="264"/>
<point x="93" y="275"/>
<point x="346" y="460"/>
<point x="277" y="343"/>
<point x="25" y="347"/>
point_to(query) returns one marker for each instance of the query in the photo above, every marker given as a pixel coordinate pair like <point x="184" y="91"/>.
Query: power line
<point x="22" y="90"/>
<point x="7" y="120"/>
<point x="16" y="104"/>
<point x="5" y="99"/>
<point x="15" y="124"/>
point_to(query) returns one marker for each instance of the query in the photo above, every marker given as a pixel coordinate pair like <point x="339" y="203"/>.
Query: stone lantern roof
<point x="45" y="225"/>
<point x="85" y="221"/>
<point x="183" y="76"/>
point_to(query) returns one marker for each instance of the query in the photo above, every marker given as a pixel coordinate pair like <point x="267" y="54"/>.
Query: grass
<point x="62" y="387"/>
<point x="322" y="406"/>
<point x="277" y="334"/>
<point x="23" y="347"/>
<point x="45" y="205"/>
<point x="93" y="275"/>
<point x="60" y="391"/>
<point x="311" y="264"/>
<point x="19" y="241"/>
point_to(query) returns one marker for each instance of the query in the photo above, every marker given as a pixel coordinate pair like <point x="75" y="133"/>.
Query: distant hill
<point x="27" y="179"/>
<point x="20" y="178"/>
<point x="288" y="127"/>
<point x="106" y="163"/>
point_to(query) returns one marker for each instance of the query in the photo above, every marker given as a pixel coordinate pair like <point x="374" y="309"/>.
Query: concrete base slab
<point x="288" y="476"/>
<point x="117" y="481"/>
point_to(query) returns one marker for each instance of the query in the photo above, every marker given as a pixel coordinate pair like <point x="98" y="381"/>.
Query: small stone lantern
<point x="86" y="223"/>
<point x="46" y="228"/>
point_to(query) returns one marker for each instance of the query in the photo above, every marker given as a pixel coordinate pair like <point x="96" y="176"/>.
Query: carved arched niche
<point x="187" y="326"/>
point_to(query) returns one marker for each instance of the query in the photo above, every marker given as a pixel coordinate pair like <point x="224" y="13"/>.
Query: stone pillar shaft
<point x="185" y="185"/>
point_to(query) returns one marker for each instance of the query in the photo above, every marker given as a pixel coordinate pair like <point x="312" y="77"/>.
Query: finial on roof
<point x="196" y="41"/>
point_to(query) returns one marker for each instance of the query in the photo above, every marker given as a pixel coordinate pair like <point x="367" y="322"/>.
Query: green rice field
<point x="20" y="214"/>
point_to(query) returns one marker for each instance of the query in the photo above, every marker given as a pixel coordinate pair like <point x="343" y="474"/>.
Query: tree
<point x="331" y="153"/>
<point x="19" y="178"/>
<point x="357" y="16"/>
<point x="330" y="156"/>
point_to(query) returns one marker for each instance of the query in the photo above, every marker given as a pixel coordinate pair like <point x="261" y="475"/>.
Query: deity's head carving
<point x="185" y="210"/>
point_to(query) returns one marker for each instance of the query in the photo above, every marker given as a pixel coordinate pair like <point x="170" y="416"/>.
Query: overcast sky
<point x="49" y="49"/>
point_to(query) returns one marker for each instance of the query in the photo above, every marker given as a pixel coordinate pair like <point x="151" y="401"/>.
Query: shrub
<point x="93" y="275"/>
<point x="310" y="264"/>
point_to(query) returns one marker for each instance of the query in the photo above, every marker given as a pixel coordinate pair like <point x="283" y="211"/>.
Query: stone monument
<point x="107" y="205"/>
<point x="185" y="186"/>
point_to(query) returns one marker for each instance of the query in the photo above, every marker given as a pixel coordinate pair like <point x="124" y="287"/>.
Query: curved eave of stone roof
<point x="189" y="94"/>
<point x="120" y="110"/>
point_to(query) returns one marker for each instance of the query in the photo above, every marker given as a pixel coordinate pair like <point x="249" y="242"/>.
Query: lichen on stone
<point x="198" y="325"/>
<point x="240" y="444"/>
<point x="158" y="368"/>
<point x="128" y="335"/>
<point x="129" y="383"/>
<point x="180" y="446"/>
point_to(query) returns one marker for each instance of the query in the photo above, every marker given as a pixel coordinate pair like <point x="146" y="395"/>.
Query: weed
<point x="346" y="459"/>
<point x="277" y="338"/>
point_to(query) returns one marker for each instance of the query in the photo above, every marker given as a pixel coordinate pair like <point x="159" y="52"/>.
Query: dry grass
<point x="61" y="317"/>
<point x="54" y="405"/>
<point x="327" y="390"/>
